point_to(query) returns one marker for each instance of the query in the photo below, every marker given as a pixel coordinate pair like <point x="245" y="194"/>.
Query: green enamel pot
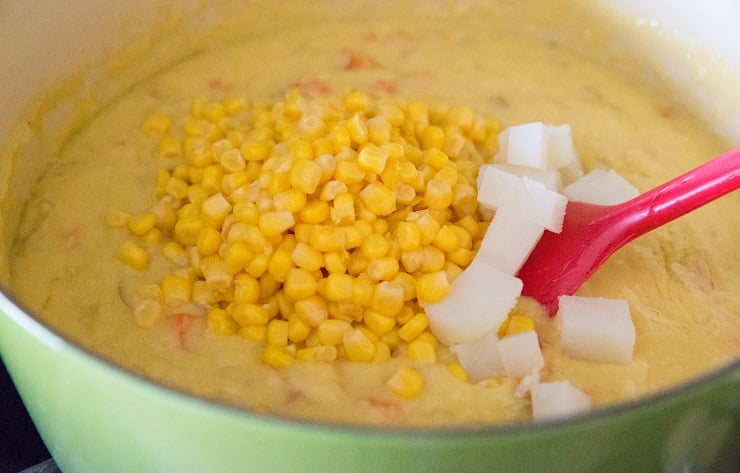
<point x="95" y="416"/>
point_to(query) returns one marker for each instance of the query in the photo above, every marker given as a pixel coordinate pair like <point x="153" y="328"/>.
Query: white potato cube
<point x="529" y="198"/>
<point x="480" y="358"/>
<point x="549" y="177"/>
<point x="596" y="328"/>
<point x="524" y="145"/>
<point x="509" y="240"/>
<point x="520" y="353"/>
<point x="479" y="301"/>
<point x="558" y="399"/>
<point x="560" y="149"/>
<point x="601" y="187"/>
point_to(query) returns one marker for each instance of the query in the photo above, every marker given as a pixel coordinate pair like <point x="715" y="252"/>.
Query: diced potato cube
<point x="509" y="241"/>
<point x="524" y="145"/>
<point x="480" y="358"/>
<point x="558" y="399"/>
<point x="478" y="302"/>
<point x="549" y="177"/>
<point x="601" y="187"/>
<point x="596" y="328"/>
<point x="560" y="149"/>
<point x="520" y="353"/>
<point x="529" y="198"/>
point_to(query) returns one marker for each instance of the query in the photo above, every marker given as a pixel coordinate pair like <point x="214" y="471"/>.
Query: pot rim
<point x="48" y="336"/>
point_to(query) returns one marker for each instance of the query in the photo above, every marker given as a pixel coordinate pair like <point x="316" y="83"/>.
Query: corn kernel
<point x="383" y="269"/>
<point x="306" y="257"/>
<point x="305" y="176"/>
<point x="458" y="372"/>
<point x="516" y="323"/>
<point x="277" y="357"/>
<point x="349" y="172"/>
<point x="432" y="137"/>
<point x="298" y="330"/>
<point x="250" y="314"/>
<point x="208" y="241"/>
<point x="277" y="333"/>
<point x="274" y="223"/>
<point x="387" y="298"/>
<point x="447" y="238"/>
<point x="357" y="346"/>
<point x="317" y="353"/>
<point x="432" y="287"/>
<point x="406" y="383"/>
<point x="187" y="230"/>
<point x="312" y="310"/>
<point x="379" y="323"/>
<point x="133" y="255"/>
<point x="147" y="312"/>
<point x="257" y="333"/>
<point x="433" y="259"/>
<point x="331" y="331"/>
<point x="413" y="327"/>
<point x="176" y="290"/>
<point x="299" y="284"/>
<point x="315" y="211"/>
<point x="220" y="323"/>
<point x="438" y="194"/>
<point x="339" y="287"/>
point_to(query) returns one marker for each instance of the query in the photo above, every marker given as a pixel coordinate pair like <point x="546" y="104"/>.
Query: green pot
<point x="97" y="417"/>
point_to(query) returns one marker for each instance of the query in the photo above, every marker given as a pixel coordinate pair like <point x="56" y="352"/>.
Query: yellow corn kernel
<point x="314" y="212"/>
<point x="176" y="253"/>
<point x="301" y="149"/>
<point x="409" y="236"/>
<point x="357" y="346"/>
<point x="458" y="372"/>
<point x="408" y="283"/>
<point x="516" y="323"/>
<point x="306" y="257"/>
<point x="432" y="287"/>
<point x="327" y="238"/>
<point x="141" y="224"/>
<point x="331" y="331"/>
<point x="433" y="137"/>
<point x="133" y="255"/>
<point x="379" y="199"/>
<point x="317" y="353"/>
<point x="312" y="310"/>
<point x="157" y="124"/>
<point x="117" y="219"/>
<point x="277" y="357"/>
<point x="379" y="323"/>
<point x="277" y="333"/>
<point x="278" y="182"/>
<point x="187" y="230"/>
<point x="433" y="259"/>
<point x="438" y="194"/>
<point x="176" y="290"/>
<point x="212" y="177"/>
<point x="299" y="284"/>
<point x="353" y="235"/>
<point x="362" y="291"/>
<point x="237" y="255"/>
<point x="298" y="330"/>
<point x="461" y="257"/>
<point x="250" y="314"/>
<point x="372" y="158"/>
<point x="283" y="303"/>
<point x="387" y="298"/>
<point x="343" y="210"/>
<point x="447" y="238"/>
<point x="421" y="351"/>
<point x="383" y="269"/>
<point x="170" y="147"/>
<point x="257" y="333"/>
<point x="305" y="176"/>
<point x="209" y="241"/>
<point x="268" y="285"/>
<point x="357" y="129"/>
<point x="414" y="327"/>
<point x="255" y="151"/>
<point x="356" y="101"/>
<point x="147" y="312"/>
<point x="336" y="262"/>
<point x="406" y="383"/>
<point x="452" y="270"/>
<point x="202" y="294"/>
<point x="339" y="137"/>
<point x="280" y="264"/>
<point x="349" y="172"/>
<point x="274" y="223"/>
<point x="220" y="323"/>
<point x="428" y="227"/>
<point x="339" y="287"/>
<point x="331" y="189"/>
<point x="257" y="267"/>
<point x="382" y="352"/>
<point x="375" y="246"/>
<point x="246" y="212"/>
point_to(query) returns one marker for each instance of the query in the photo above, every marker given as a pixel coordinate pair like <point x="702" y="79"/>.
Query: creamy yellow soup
<point x="679" y="280"/>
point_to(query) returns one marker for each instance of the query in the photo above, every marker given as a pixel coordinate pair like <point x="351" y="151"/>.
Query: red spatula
<point x="561" y="262"/>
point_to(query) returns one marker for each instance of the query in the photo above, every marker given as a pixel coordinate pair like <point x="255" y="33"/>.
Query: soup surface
<point x="679" y="280"/>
